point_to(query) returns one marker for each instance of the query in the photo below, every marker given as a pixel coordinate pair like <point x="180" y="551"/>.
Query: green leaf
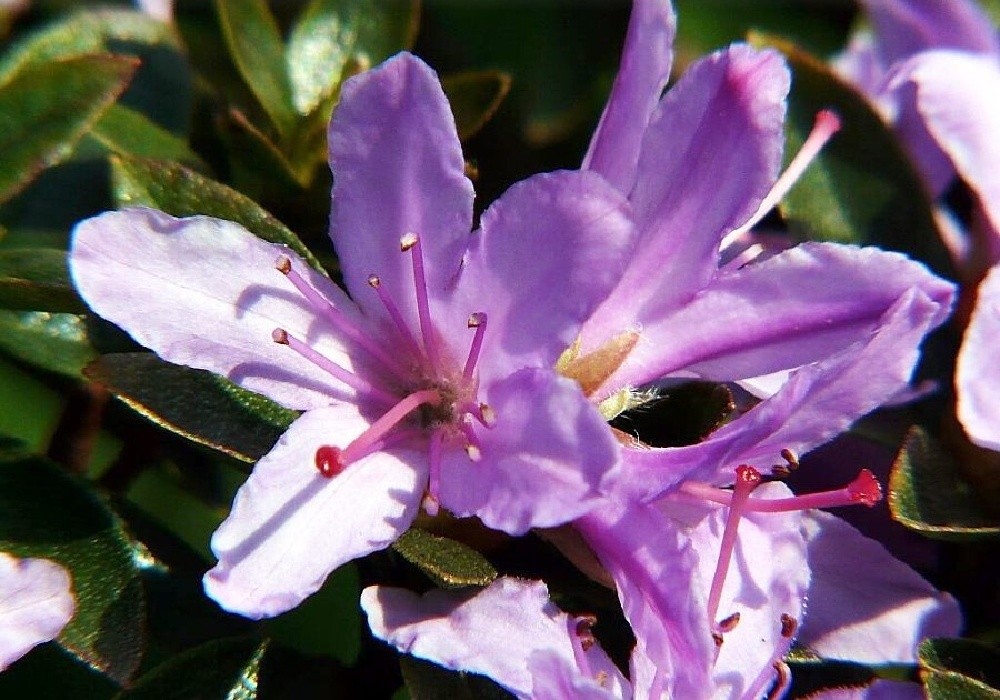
<point x="959" y="669"/>
<point x="475" y="97"/>
<point x="260" y="167"/>
<point x="926" y="493"/>
<point x="335" y="37"/>
<point x="125" y="131"/>
<point x="862" y="187"/>
<point x="49" y="671"/>
<point x="199" y="405"/>
<point x="448" y="563"/>
<point x="255" y="44"/>
<point x="181" y="191"/>
<point x="222" y="669"/>
<point x="36" y="279"/>
<point x="53" y="341"/>
<point x="46" y="108"/>
<point x="813" y="675"/>
<point x="427" y="681"/>
<point x="46" y="513"/>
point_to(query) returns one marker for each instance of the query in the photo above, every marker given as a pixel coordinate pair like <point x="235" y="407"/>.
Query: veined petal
<point x="711" y="153"/>
<point x="205" y="293"/>
<point x="290" y="526"/>
<point x="36" y="602"/>
<point x="864" y="605"/>
<point x="543" y="463"/>
<point x="549" y="250"/>
<point x="798" y="307"/>
<point x="473" y="634"/>
<point x="397" y="169"/>
<point x="906" y="27"/>
<point x="977" y="376"/>
<point x="817" y="402"/>
<point x="642" y="75"/>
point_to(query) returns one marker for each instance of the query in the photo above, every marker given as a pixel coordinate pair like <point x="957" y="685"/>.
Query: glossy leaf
<point x="959" y="669"/>
<point x="475" y="98"/>
<point x="36" y="279"/>
<point x="255" y="44"/>
<point x="125" y="131"/>
<point x="448" y="563"/>
<point x="199" y="405"/>
<point x="862" y="187"/>
<point x="333" y="38"/>
<point x="926" y="493"/>
<point x="46" y="108"/>
<point x="224" y="668"/>
<point x="180" y="191"/>
<point x="260" y="167"/>
<point x="46" y="513"/>
<point x="53" y="341"/>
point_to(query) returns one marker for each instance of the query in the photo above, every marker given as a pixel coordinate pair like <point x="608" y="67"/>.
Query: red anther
<point x="788" y="626"/>
<point x="790" y="459"/>
<point x="284" y="265"/>
<point x="717" y="638"/>
<point x="747" y="475"/>
<point x="584" y="631"/>
<point x="329" y="461"/>
<point x="729" y="624"/>
<point x="865" y="489"/>
<point x="783" y="681"/>
<point x="280" y="336"/>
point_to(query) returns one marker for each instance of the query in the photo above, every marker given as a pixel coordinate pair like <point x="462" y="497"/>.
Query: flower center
<point x="431" y="394"/>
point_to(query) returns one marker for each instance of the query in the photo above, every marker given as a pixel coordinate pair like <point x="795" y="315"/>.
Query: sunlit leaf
<point x="448" y="563"/>
<point x="475" y="98"/>
<point x="46" y="108"/>
<point x="180" y="191"/>
<point x="862" y="188"/>
<point x="199" y="405"/>
<point x="255" y="44"/>
<point x="36" y="279"/>
<point x="926" y="493"/>
<point x="45" y="513"/>
<point x="53" y="341"/>
<point x="125" y="131"/>
<point x="959" y="669"/>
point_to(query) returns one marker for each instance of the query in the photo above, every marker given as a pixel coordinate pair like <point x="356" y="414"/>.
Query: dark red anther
<point x="329" y="461"/>
<point x="865" y="489"/>
<point x="584" y="631"/>
<point x="729" y="624"/>
<point x="788" y="626"/>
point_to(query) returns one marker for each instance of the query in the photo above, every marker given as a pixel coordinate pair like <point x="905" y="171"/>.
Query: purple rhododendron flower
<point x="435" y="376"/>
<point x="36" y="602"/>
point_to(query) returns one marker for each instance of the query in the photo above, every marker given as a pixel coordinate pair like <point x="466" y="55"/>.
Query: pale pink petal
<point x="977" y="376"/>
<point x="36" y="602"/>
<point x="290" y="526"/>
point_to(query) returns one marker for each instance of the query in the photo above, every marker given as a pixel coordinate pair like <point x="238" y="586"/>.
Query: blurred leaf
<point x="259" y="166"/>
<point x="180" y="191"/>
<point x="927" y="495"/>
<point x="36" y="279"/>
<point x="125" y="131"/>
<point x="327" y="622"/>
<point x="49" y="671"/>
<point x="448" y="563"/>
<point x="427" y="681"/>
<point x="861" y="188"/>
<point x="335" y="37"/>
<point x="46" y="108"/>
<point x="53" y="341"/>
<point x="475" y="98"/>
<point x="46" y="513"/>
<point x="255" y="44"/>
<point x="959" y="669"/>
<point x="219" y="670"/>
<point x="199" y="405"/>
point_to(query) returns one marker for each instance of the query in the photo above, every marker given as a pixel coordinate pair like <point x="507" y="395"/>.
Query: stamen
<point x="783" y="681"/>
<point x="582" y="638"/>
<point x="747" y="479"/>
<point x="369" y="441"/>
<point x="431" y="503"/>
<point x="789" y="625"/>
<point x="729" y="624"/>
<point x="585" y="631"/>
<point x="826" y="125"/>
<point x="281" y="337"/>
<point x="477" y="321"/>
<point x="473" y="447"/>
<point x="397" y="318"/>
<point x="864" y="490"/>
<point x="487" y="416"/>
<point x="411" y="242"/>
<point x="335" y="316"/>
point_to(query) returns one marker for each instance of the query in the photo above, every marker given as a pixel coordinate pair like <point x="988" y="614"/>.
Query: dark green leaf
<point x="926" y="493"/>
<point x="125" y="131"/>
<point x="46" y="108"/>
<point x="255" y="44"/>
<point x="862" y="187"/>
<point x="260" y="167"/>
<point x="36" y="279"/>
<point x="960" y="668"/>
<point x="49" y="671"/>
<point x="448" y="563"/>
<point x="46" y="513"/>
<point x="53" y="341"/>
<point x="954" y="686"/>
<point x="426" y="681"/>
<point x="813" y="675"/>
<point x="219" y="670"/>
<point x="181" y="191"/>
<point x="475" y="97"/>
<point x="199" y="405"/>
<point x="335" y="37"/>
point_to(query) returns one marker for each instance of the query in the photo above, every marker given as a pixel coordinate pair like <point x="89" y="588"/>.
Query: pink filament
<point x="747" y="479"/>
<point x="397" y="318"/>
<point x="434" y="474"/>
<point x="864" y="490"/>
<point x="372" y="439"/>
<point x="477" y="321"/>
<point x="411" y="242"/>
